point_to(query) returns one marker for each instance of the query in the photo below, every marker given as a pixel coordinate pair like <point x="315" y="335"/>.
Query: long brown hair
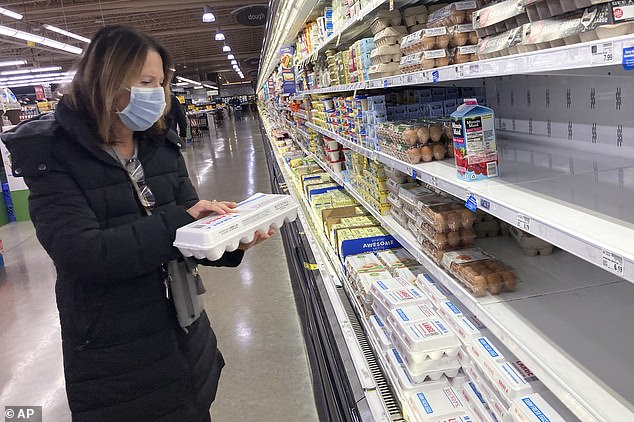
<point x="113" y="59"/>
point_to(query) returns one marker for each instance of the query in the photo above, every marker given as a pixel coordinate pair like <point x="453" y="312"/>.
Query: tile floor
<point x="252" y="308"/>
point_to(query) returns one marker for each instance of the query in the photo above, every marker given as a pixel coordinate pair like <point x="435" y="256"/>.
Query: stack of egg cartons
<point x="415" y="18"/>
<point x="395" y="181"/>
<point x="362" y="271"/>
<point x="400" y="263"/>
<point x="388" y="32"/>
<point x="499" y="27"/>
<point x="410" y="195"/>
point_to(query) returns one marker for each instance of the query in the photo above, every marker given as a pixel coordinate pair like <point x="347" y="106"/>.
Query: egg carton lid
<point x="476" y="402"/>
<point x="380" y="286"/>
<point x="369" y="278"/>
<point x="429" y="339"/>
<point x="432" y="403"/>
<point x="393" y="298"/>
<point x="533" y="408"/>
<point x="436" y="292"/>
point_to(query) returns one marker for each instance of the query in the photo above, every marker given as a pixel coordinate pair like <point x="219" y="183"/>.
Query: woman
<point x="109" y="188"/>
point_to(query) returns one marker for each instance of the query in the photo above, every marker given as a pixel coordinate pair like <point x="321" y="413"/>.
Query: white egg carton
<point x="533" y="408"/>
<point x="380" y="287"/>
<point x="379" y="330"/>
<point x="437" y="403"/>
<point x="365" y="281"/>
<point x="412" y="313"/>
<point x="363" y="263"/>
<point x="394" y="298"/>
<point x="212" y="236"/>
<point x="426" y="340"/>
<point x="476" y="402"/>
<point x="496" y="404"/>
<point x="396" y="367"/>
<point x="396" y="258"/>
<point x="434" y="291"/>
<point x="409" y="274"/>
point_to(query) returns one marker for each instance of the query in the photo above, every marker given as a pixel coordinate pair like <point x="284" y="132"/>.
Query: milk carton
<point x="475" y="148"/>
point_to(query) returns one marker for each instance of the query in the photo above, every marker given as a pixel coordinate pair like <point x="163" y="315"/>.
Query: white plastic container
<point x="331" y="144"/>
<point x="450" y="312"/>
<point x="333" y="156"/>
<point x="436" y="402"/>
<point x="496" y="405"/>
<point x="510" y="382"/>
<point x="476" y="402"/>
<point x="366" y="280"/>
<point x="396" y="367"/>
<point x="363" y="263"/>
<point x="430" y="339"/>
<point x="380" y="287"/>
<point x="533" y="408"/>
<point x="487" y="356"/>
<point x="214" y="235"/>
<point x="434" y="291"/>
<point x="467" y="330"/>
<point x="392" y="299"/>
<point x="408" y="274"/>
<point x="378" y="329"/>
<point x="407" y="314"/>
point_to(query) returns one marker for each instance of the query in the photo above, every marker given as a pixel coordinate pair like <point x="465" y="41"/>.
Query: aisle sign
<point x="628" y="58"/>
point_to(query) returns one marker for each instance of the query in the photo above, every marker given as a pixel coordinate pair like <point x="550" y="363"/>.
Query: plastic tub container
<point x="214" y="235"/>
<point x="333" y="156"/>
<point x="331" y="144"/>
<point x="336" y="166"/>
<point x="479" y="272"/>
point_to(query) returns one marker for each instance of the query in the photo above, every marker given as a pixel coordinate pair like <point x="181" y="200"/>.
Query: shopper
<point x="95" y="170"/>
<point x="238" y="112"/>
<point x="176" y="117"/>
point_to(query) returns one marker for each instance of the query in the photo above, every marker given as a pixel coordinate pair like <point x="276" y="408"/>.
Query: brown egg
<point x="423" y="134"/>
<point x="410" y="136"/>
<point x="435" y="133"/>
<point x="473" y="38"/>
<point x="460" y="38"/>
<point x="470" y="271"/>
<point x="459" y="16"/>
<point x="494" y="283"/>
<point x="467" y="236"/>
<point x="426" y="153"/>
<point x="439" y="222"/>
<point x="479" y="285"/>
<point x="510" y="280"/>
<point x="486" y="271"/>
<point x="453" y="239"/>
<point x="439" y="151"/>
<point x="413" y="155"/>
<point x="461" y="58"/>
<point x="429" y="43"/>
<point x="467" y="218"/>
<point x="453" y="220"/>
<point x="441" y="240"/>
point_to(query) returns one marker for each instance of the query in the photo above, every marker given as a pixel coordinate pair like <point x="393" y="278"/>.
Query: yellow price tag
<point x="310" y="266"/>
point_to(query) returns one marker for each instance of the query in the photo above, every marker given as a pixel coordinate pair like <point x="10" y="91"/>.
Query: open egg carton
<point x="480" y="272"/>
<point x="212" y="236"/>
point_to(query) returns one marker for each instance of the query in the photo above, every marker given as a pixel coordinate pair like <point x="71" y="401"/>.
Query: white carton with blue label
<point x="378" y="330"/>
<point x="534" y="408"/>
<point x="429" y="339"/>
<point x="476" y="402"/>
<point x="212" y="236"/>
<point x="434" y="291"/>
<point x="438" y="402"/>
<point x="475" y="147"/>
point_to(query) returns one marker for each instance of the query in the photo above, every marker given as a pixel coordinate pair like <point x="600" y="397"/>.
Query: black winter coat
<point x="125" y="356"/>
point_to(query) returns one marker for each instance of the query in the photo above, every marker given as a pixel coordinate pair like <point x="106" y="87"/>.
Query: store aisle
<point x="252" y="307"/>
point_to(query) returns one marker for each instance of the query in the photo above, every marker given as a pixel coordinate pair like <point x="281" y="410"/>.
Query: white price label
<point x="409" y="79"/>
<point x="612" y="262"/>
<point x="523" y="222"/>
<point x="602" y="53"/>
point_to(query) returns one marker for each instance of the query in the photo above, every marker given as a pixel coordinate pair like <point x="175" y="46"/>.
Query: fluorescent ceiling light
<point x="32" y="70"/>
<point x="29" y="76"/>
<point x="209" y="86"/>
<point x="241" y="76"/>
<point x="234" y="62"/>
<point x="12" y="63"/>
<point x="198" y="87"/>
<point x="68" y="34"/>
<point x="226" y="48"/>
<point x="15" y="33"/>
<point x="9" y="13"/>
<point x="230" y="57"/>
<point x="208" y="15"/>
<point x="180" y="78"/>
<point x="219" y="36"/>
<point x="181" y="83"/>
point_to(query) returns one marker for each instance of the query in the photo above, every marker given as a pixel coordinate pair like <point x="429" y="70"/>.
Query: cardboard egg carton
<point x="212" y="236"/>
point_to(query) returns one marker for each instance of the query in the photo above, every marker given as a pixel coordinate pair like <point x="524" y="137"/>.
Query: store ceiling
<point x="176" y="23"/>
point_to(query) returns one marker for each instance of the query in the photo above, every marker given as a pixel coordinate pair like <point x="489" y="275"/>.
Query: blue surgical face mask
<point x="145" y="108"/>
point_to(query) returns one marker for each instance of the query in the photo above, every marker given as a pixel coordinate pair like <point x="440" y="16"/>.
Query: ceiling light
<point x="181" y="83"/>
<point x="230" y="57"/>
<point x="68" y="34"/>
<point x="208" y="15"/>
<point x="198" y="87"/>
<point x="235" y="66"/>
<point x="219" y="35"/>
<point x="9" y="13"/>
<point x="15" y="33"/>
<point x="226" y="48"/>
<point x="180" y="78"/>
<point x="32" y="70"/>
<point x="241" y="76"/>
<point x="209" y="86"/>
<point x="234" y="62"/>
<point x="12" y="63"/>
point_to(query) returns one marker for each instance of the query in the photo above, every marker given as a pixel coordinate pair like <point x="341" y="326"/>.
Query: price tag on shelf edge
<point x="435" y="76"/>
<point x="612" y="262"/>
<point x="523" y="222"/>
<point x="471" y="203"/>
<point x="602" y="53"/>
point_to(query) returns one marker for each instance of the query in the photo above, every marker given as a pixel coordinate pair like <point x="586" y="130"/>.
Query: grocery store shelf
<point x="580" y="202"/>
<point x="345" y="142"/>
<point x="607" y="52"/>
<point x="301" y="115"/>
<point x="352" y="29"/>
<point x="555" y="322"/>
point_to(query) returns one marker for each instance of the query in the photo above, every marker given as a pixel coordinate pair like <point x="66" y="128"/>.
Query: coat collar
<point x="82" y="131"/>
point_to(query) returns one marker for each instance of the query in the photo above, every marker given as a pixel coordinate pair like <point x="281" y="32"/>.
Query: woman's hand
<point x="203" y="208"/>
<point x="259" y="238"/>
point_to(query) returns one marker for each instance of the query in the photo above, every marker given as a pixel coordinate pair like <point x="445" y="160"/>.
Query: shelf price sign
<point x="523" y="222"/>
<point x="612" y="262"/>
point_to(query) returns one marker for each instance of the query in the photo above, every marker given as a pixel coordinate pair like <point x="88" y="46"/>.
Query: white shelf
<point x="577" y="56"/>
<point x="345" y="142"/>
<point x="560" y="294"/>
<point x="301" y="115"/>
<point x="571" y="199"/>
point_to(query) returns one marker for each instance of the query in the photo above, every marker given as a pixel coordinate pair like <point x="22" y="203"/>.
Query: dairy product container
<point x="380" y="286"/>
<point x="436" y="402"/>
<point x="476" y="402"/>
<point x="362" y="263"/>
<point x="392" y="299"/>
<point x="212" y="236"/>
<point x="434" y="291"/>
<point x="428" y="339"/>
<point x="378" y="328"/>
<point x="533" y="408"/>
